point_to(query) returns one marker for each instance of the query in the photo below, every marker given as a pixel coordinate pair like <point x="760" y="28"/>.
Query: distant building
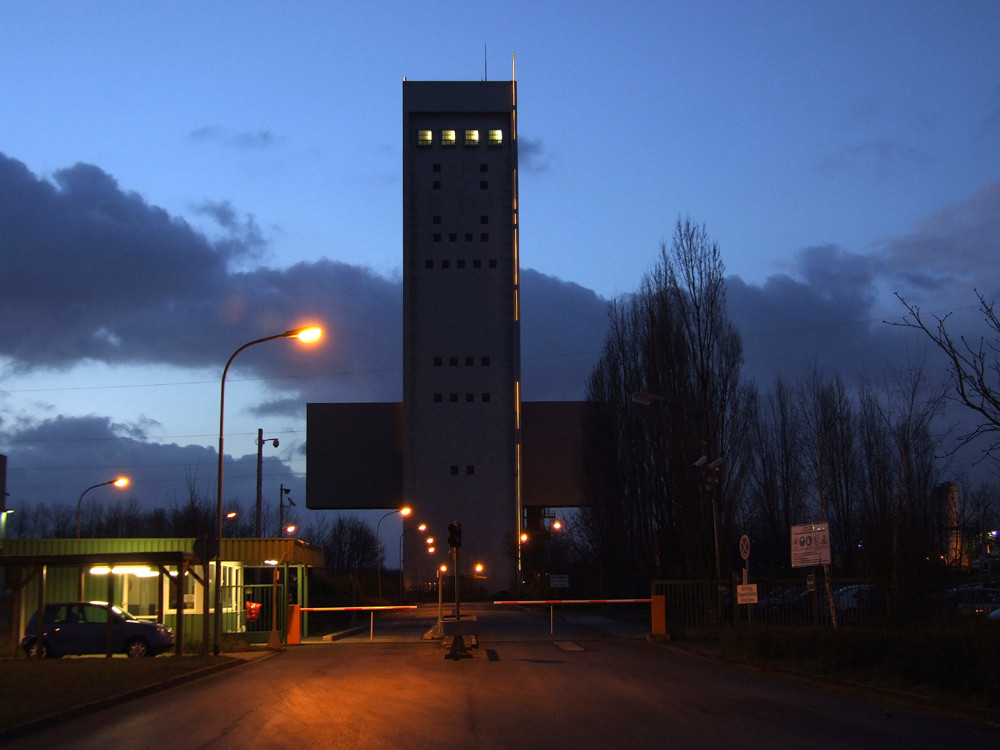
<point x="453" y="449"/>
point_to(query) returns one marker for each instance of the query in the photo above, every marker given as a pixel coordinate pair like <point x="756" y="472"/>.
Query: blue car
<point x="81" y="628"/>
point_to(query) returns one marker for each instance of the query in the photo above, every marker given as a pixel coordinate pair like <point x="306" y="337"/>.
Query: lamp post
<point x="404" y="511"/>
<point x="309" y="333"/>
<point x="258" y="531"/>
<point x="119" y="482"/>
<point x="421" y="527"/>
<point x="282" y="491"/>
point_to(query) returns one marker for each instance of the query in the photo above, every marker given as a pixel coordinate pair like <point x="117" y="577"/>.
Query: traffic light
<point x="455" y="534"/>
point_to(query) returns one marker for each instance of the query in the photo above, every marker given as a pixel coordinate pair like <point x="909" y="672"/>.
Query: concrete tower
<point x="461" y="336"/>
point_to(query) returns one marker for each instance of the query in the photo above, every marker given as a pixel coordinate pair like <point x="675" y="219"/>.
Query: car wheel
<point x="137" y="647"/>
<point x="33" y="650"/>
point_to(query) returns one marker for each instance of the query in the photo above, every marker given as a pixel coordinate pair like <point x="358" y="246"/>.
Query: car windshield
<point x="123" y="614"/>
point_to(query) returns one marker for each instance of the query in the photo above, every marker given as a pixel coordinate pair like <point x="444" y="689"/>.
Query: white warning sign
<point x="810" y="545"/>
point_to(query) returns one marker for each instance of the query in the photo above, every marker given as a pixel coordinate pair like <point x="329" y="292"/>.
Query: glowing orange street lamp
<point x="404" y="511"/>
<point x="119" y="482"/>
<point x="422" y="527"/>
<point x="306" y="333"/>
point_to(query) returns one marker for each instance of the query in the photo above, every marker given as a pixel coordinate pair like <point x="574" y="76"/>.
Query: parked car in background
<point x="972" y="599"/>
<point x="858" y="603"/>
<point x="81" y="628"/>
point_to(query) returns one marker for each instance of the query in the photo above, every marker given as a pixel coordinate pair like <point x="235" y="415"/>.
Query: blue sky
<point x="837" y="151"/>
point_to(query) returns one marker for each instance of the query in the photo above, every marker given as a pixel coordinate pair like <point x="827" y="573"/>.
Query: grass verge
<point x="32" y="689"/>
<point x="956" y="664"/>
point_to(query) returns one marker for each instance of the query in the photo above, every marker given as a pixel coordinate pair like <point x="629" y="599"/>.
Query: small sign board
<point x="746" y="593"/>
<point x="810" y="545"/>
<point x="559" y="581"/>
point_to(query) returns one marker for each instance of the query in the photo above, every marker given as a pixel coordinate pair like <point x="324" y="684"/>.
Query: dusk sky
<point x="179" y="179"/>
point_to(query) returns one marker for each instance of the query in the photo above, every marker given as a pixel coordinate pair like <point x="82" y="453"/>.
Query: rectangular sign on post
<point x="559" y="581"/>
<point x="810" y="545"/>
<point x="746" y="593"/>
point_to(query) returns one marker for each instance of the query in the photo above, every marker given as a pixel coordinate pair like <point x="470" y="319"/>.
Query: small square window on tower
<point x="424" y="138"/>
<point x="471" y="137"/>
<point x="496" y="137"/>
<point x="447" y="137"/>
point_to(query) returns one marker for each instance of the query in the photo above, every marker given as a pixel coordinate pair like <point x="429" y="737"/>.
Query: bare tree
<point x="974" y="367"/>
<point x="904" y="523"/>
<point x="655" y="509"/>
<point x="778" y="480"/>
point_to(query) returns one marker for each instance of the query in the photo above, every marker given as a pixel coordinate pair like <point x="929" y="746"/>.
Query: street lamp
<point x="308" y="333"/>
<point x="282" y="491"/>
<point x="404" y="511"/>
<point x="119" y="482"/>
<point x="421" y="527"/>
<point x="258" y="531"/>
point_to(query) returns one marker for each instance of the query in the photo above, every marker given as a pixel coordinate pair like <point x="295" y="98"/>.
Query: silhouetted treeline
<point x="683" y="455"/>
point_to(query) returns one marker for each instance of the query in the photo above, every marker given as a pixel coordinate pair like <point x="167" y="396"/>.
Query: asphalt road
<point x="590" y="684"/>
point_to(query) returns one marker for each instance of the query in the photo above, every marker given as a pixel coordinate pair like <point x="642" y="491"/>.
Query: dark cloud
<point x="532" y="155"/>
<point x="247" y="139"/>
<point x="94" y="272"/>
<point x="881" y="155"/>
<point x="255" y="140"/>
<point x="562" y="334"/>
<point x="82" y="258"/>
<point x="790" y="327"/>
<point x="952" y="250"/>
<point x="829" y="312"/>
<point x="55" y="460"/>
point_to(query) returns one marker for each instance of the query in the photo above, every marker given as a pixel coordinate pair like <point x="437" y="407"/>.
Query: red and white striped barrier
<point x="576" y="601"/>
<point x="371" y="629"/>
<point x="552" y="602"/>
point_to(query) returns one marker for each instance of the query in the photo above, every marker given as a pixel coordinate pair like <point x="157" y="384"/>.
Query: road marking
<point x="569" y="646"/>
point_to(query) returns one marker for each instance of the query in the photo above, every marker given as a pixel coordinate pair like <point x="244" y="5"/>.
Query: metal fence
<point x="701" y="607"/>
